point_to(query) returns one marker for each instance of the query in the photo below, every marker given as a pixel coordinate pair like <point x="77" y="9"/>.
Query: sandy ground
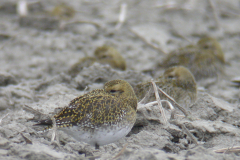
<point x="37" y="51"/>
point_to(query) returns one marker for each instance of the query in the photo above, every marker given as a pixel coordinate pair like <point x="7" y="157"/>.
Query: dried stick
<point x="54" y="134"/>
<point x="28" y="141"/>
<point x="146" y="96"/>
<point x="121" y="152"/>
<point x="148" y="43"/>
<point x="229" y="150"/>
<point x="174" y="5"/>
<point x="22" y="8"/>
<point x="168" y="5"/>
<point x="189" y="134"/>
<point x="159" y="102"/>
<point x="30" y="109"/>
<point x="3" y="117"/>
<point x="171" y="108"/>
<point x="177" y="105"/>
<point x="63" y="24"/>
<point x="183" y="37"/>
<point x="84" y="91"/>
<point x="122" y="16"/>
<point x="215" y="13"/>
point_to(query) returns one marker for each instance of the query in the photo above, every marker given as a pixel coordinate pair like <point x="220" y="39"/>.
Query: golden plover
<point x="178" y="82"/>
<point x="101" y="116"/>
<point x="206" y="59"/>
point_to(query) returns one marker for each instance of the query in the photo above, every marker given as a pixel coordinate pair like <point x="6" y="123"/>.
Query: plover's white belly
<point x="99" y="136"/>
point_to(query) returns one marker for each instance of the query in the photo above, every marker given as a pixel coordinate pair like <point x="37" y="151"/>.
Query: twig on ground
<point x="84" y="91"/>
<point x="229" y="150"/>
<point x="3" y="117"/>
<point x="121" y="152"/>
<point x="168" y="5"/>
<point x="28" y="141"/>
<point x="189" y="134"/>
<point x="146" y="96"/>
<point x="159" y="102"/>
<point x="37" y="115"/>
<point x="122" y="16"/>
<point x="176" y="5"/>
<point x="30" y="109"/>
<point x="148" y="43"/>
<point x="171" y="108"/>
<point x="22" y="8"/>
<point x="54" y="134"/>
<point x="177" y="105"/>
<point x="183" y="37"/>
<point x="215" y="13"/>
<point x="63" y="24"/>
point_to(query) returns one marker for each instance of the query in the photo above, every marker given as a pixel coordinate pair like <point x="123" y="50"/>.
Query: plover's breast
<point x="99" y="135"/>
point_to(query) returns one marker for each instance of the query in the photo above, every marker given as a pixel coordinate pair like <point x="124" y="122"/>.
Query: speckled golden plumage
<point x="206" y="59"/>
<point x="109" y="111"/>
<point x="104" y="55"/>
<point x="178" y="82"/>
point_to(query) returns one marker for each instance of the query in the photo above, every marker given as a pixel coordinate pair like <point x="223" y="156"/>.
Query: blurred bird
<point x="178" y="82"/>
<point x="235" y="81"/>
<point x="83" y="62"/>
<point x="204" y="60"/>
<point x="99" y="117"/>
<point x="109" y="55"/>
<point x="63" y="11"/>
<point x="104" y="55"/>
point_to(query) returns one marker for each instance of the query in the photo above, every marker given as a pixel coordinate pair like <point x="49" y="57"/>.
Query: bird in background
<point x="103" y="55"/>
<point x="204" y="60"/>
<point x="63" y="11"/>
<point x="178" y="82"/>
<point x="99" y="117"/>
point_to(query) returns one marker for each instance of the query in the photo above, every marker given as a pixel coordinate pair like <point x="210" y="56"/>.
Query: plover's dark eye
<point x="206" y="47"/>
<point x="105" y="56"/>
<point x="170" y="77"/>
<point x="113" y="91"/>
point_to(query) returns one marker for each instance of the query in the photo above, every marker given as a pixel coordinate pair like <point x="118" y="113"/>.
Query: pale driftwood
<point x="159" y="102"/>
<point x="146" y="96"/>
<point x="63" y="24"/>
<point x="22" y="8"/>
<point x="189" y="134"/>
<point x="177" y="105"/>
<point x="229" y="150"/>
<point x="121" y="152"/>
<point x="54" y="133"/>
<point x="215" y="14"/>
<point x="122" y="16"/>
<point x="3" y="117"/>
<point x="148" y="43"/>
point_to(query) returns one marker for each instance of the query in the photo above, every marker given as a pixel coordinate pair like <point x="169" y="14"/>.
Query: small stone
<point x="3" y="103"/>
<point x="83" y="29"/>
<point x="3" y="152"/>
<point x="3" y="142"/>
<point x="222" y="104"/>
<point x="6" y="79"/>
